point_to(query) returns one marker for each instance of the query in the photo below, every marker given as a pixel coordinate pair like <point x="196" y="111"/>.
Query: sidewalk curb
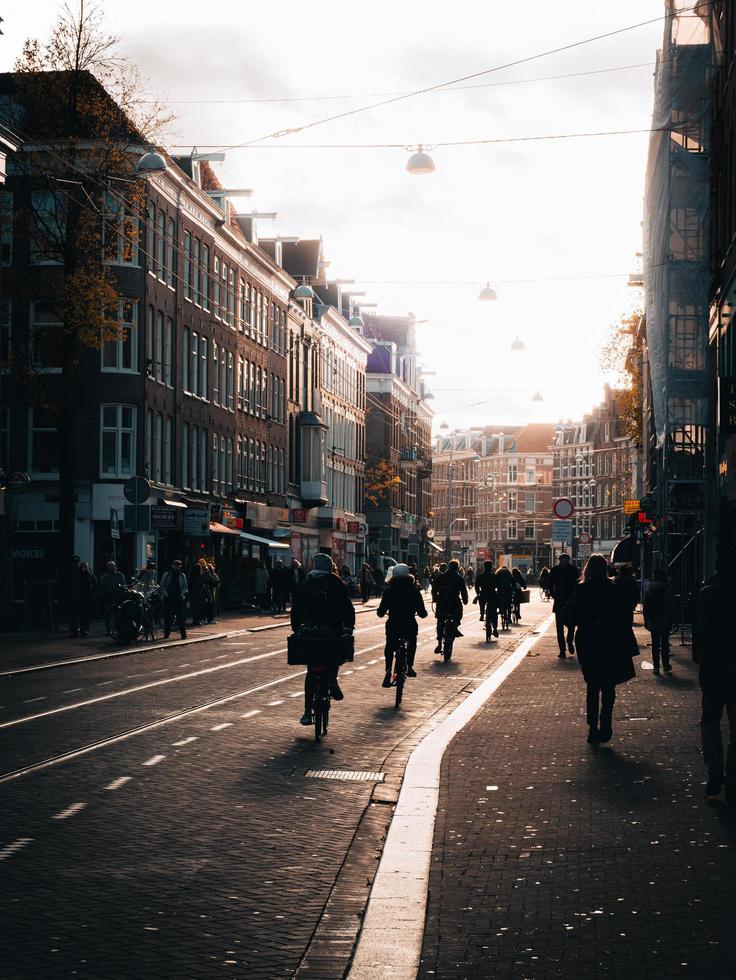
<point x="111" y="654"/>
<point x="390" y="941"/>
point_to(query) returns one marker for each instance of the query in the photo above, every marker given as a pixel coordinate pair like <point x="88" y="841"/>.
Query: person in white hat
<point x="402" y="602"/>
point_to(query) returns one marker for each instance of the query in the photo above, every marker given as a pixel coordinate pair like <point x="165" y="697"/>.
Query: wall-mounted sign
<point x="197" y="522"/>
<point x="562" y="532"/>
<point x="163" y="518"/>
<point x="232" y="519"/>
<point x="631" y="506"/>
<point x="28" y="554"/>
<point x="298" y="515"/>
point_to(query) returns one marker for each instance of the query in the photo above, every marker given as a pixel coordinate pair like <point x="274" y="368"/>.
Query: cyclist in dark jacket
<point x="449" y="594"/>
<point x="322" y="602"/>
<point x="403" y="602"/>
<point x="487" y="595"/>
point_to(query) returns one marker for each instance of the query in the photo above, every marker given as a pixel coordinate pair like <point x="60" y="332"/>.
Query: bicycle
<point x="321" y="699"/>
<point x="488" y="625"/>
<point x="515" y="609"/>
<point x="505" y="612"/>
<point x="401" y="666"/>
<point x="449" y="628"/>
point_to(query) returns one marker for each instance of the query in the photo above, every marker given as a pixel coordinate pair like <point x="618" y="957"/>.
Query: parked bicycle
<point x="137" y="612"/>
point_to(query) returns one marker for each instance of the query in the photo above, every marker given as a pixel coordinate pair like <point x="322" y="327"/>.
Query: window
<point x="512" y="500"/>
<point x="230" y="382"/>
<point x="160" y="243"/>
<point x="194" y="364"/>
<point x="530" y="475"/>
<point x="159" y="372"/>
<point x="150" y="235"/>
<point x="248" y="309"/>
<point x="166" y="473"/>
<point x="251" y="393"/>
<point x="48" y="227"/>
<point x="168" y="350"/>
<point x="216" y="374"/>
<point x="121" y="354"/>
<point x="195" y="271"/>
<point x="684" y="345"/>
<point x="231" y="298"/>
<point x="223" y="295"/>
<point x="530" y="500"/>
<point x="185" y="360"/>
<point x="117" y="440"/>
<point x="187" y="265"/>
<point x="511" y="528"/>
<point x="5" y="330"/>
<point x="223" y="461"/>
<point x="195" y="457"/>
<point x="529" y="532"/>
<point x="203" y="460"/>
<point x="223" y="377"/>
<point x="120" y="232"/>
<point x="241" y="305"/>
<point x="6" y="228"/>
<point x="203" y="389"/>
<point x="216" y="287"/>
<point x="229" y="467"/>
<point x="43" y="449"/>
<point x="205" y="277"/>
<point x="46" y="337"/>
<point x="169" y="260"/>
<point x="258" y="392"/>
<point x="215" y="462"/>
<point x="513" y="472"/>
<point x="185" y="455"/>
<point x="149" y="341"/>
<point x="241" y="383"/>
<point x="149" y="442"/>
<point x="158" y="446"/>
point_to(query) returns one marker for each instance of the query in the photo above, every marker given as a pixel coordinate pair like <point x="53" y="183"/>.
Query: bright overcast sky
<point x="538" y="210"/>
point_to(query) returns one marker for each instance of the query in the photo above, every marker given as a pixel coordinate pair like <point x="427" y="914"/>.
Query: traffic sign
<point x="137" y="490"/>
<point x="114" y="524"/>
<point x="562" y="532"/>
<point x="563" y="508"/>
<point x="631" y="506"/>
<point x="18" y="482"/>
<point x="584" y="538"/>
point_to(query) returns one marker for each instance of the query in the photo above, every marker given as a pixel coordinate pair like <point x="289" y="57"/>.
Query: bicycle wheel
<point x="449" y="640"/>
<point x="317" y="718"/>
<point x="400" y="673"/>
<point x="489" y="628"/>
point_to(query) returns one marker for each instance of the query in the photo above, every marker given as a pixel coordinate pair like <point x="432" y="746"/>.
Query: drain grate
<point x="352" y="775"/>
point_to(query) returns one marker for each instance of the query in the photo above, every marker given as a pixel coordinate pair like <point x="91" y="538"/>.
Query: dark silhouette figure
<point x="715" y="652"/>
<point x="562" y="581"/>
<point x="604" y="641"/>
<point x="658" y="618"/>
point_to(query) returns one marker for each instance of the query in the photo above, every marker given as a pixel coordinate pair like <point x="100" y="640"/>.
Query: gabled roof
<point x="537" y="437"/>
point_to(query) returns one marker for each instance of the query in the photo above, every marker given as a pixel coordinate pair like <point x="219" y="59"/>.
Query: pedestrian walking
<point x="174" y="590"/>
<point x="659" y="608"/>
<point x="111" y="581"/>
<point x="297" y="576"/>
<point x="280" y="586"/>
<point x="469" y="578"/>
<point x="425" y="579"/>
<point x="366" y="582"/>
<point x="599" y="610"/>
<point x="562" y="581"/>
<point x="261" y="585"/>
<point x="197" y="591"/>
<point x="211" y="582"/>
<point x="82" y="593"/>
<point x="713" y="651"/>
<point x="379" y="577"/>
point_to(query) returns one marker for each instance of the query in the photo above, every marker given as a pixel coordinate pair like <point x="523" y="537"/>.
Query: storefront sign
<point x="197" y="522"/>
<point x="28" y="554"/>
<point x="727" y="410"/>
<point x="231" y="518"/>
<point x="353" y="527"/>
<point x="104" y="497"/>
<point x="299" y="515"/>
<point x="631" y="506"/>
<point x="163" y="518"/>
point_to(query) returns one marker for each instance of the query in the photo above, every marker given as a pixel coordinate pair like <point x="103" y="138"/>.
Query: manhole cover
<point x="354" y="775"/>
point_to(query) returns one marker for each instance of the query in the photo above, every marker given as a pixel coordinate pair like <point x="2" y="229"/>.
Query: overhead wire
<point x="463" y="78"/>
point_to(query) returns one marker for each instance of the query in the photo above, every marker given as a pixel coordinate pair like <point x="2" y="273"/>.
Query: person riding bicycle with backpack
<point x="487" y="596"/>
<point x="450" y="594"/>
<point x="403" y="602"/>
<point x="322" y="603"/>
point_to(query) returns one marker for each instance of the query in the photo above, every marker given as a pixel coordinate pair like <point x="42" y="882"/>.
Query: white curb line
<point x="390" y="943"/>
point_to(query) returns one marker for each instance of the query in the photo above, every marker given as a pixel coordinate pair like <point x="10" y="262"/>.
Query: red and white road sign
<point x="585" y="538"/>
<point x="563" y="508"/>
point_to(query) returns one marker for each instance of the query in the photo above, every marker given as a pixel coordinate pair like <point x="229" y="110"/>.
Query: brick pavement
<point x="553" y="858"/>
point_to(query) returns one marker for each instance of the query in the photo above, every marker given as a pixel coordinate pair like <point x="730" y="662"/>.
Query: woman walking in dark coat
<point x="659" y="612"/>
<point x="604" y="641"/>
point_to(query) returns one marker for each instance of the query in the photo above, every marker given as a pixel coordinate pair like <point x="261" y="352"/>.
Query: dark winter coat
<point x="323" y="601"/>
<point x="604" y="640"/>
<point x="713" y="644"/>
<point x="659" y="607"/>
<point x="562" y="582"/>
<point x="630" y="588"/>
<point x="449" y="590"/>
<point x="402" y="602"/>
<point x="485" y="587"/>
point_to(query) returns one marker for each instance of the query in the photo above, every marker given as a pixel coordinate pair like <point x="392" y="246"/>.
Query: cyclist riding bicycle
<point x="505" y="588"/>
<point x="450" y="594"/>
<point x="519" y="586"/>
<point x="403" y="602"/>
<point x="322" y="603"/>
<point x="487" y="595"/>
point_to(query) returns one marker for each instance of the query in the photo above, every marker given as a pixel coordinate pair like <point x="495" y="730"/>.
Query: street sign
<point x="137" y="490"/>
<point x="584" y="550"/>
<point x="584" y="538"/>
<point x="114" y="524"/>
<point x="163" y="518"/>
<point x="563" y="508"/>
<point x="137" y="517"/>
<point x="197" y="522"/>
<point x="562" y="532"/>
<point x="18" y="482"/>
<point x="631" y="506"/>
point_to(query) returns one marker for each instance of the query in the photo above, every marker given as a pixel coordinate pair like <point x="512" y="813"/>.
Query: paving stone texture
<point x="553" y="858"/>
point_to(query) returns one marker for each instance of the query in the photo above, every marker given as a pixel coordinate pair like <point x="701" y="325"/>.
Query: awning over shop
<point x="435" y="546"/>
<point x="174" y="503"/>
<point x="267" y="541"/>
<point x="216" y="528"/>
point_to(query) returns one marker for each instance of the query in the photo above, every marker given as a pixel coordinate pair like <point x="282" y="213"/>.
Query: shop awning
<point x="267" y="541"/>
<point x="435" y="546"/>
<point x="174" y="503"/>
<point x="626" y="552"/>
<point x="216" y="528"/>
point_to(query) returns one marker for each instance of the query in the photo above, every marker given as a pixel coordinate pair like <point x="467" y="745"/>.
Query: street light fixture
<point x="518" y="345"/>
<point x="150" y="163"/>
<point x="420" y="162"/>
<point x="487" y="294"/>
<point x="537" y="397"/>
